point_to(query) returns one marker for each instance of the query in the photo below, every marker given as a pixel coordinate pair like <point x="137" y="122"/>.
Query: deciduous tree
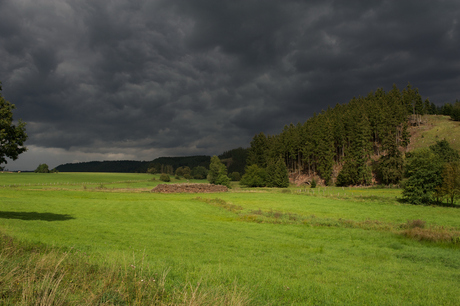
<point x="199" y="173"/>
<point x="451" y="181"/>
<point x="42" y="168"/>
<point x="218" y="172"/>
<point x="423" y="173"/>
<point x="254" y="176"/>
<point x="12" y="137"/>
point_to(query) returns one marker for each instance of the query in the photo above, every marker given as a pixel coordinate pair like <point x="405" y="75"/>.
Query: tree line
<point x="184" y="166"/>
<point x="350" y="144"/>
<point x="364" y="142"/>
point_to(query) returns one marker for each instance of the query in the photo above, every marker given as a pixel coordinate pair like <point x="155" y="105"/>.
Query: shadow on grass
<point x="442" y="204"/>
<point x="376" y="198"/>
<point x="34" y="216"/>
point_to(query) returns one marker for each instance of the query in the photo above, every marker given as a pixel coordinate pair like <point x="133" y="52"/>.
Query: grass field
<point x="435" y="128"/>
<point x="245" y="247"/>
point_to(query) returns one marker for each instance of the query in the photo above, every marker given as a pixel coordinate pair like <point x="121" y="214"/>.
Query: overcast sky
<point x="140" y="79"/>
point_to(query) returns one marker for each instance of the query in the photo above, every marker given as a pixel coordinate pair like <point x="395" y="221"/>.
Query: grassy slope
<point x="275" y="263"/>
<point x="435" y="128"/>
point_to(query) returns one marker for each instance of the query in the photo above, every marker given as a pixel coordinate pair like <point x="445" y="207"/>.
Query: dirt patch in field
<point x="189" y="188"/>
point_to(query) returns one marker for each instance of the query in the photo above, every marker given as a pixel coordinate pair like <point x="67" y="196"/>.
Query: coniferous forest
<point x="357" y="143"/>
<point x="361" y="142"/>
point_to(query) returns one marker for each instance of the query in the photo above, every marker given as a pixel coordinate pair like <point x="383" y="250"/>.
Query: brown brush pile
<point x="189" y="188"/>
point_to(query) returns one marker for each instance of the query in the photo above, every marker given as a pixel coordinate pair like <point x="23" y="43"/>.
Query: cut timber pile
<point x="189" y="188"/>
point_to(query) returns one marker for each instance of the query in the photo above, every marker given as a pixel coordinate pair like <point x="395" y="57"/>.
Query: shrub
<point x="313" y="183"/>
<point x="165" y="178"/>
<point x="424" y="174"/>
<point x="432" y="234"/>
<point x="254" y="177"/>
<point x="199" y="173"/>
<point x="235" y="176"/>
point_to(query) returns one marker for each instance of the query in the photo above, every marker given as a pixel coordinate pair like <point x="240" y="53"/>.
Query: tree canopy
<point x="218" y="172"/>
<point x="337" y="144"/>
<point x="42" y="168"/>
<point x="12" y="137"/>
<point x="432" y="174"/>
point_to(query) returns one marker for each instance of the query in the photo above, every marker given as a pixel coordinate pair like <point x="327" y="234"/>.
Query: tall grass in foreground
<point x="35" y="275"/>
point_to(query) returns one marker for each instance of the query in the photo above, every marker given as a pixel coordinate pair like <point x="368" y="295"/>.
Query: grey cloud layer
<point x="205" y="76"/>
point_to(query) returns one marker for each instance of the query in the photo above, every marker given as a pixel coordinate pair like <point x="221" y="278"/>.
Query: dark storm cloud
<point x="143" y="78"/>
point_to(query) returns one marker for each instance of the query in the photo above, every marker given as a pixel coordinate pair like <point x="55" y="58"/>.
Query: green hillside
<point x="435" y="128"/>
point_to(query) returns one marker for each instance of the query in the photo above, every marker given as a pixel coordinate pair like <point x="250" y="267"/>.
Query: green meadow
<point x="296" y="246"/>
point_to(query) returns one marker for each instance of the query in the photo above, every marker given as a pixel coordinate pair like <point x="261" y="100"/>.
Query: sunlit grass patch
<point x="436" y="128"/>
<point x="414" y="229"/>
<point x="274" y="247"/>
<point x="115" y="182"/>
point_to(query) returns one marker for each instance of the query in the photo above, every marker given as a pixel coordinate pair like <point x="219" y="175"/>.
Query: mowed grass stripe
<point x="68" y="177"/>
<point x="358" y="210"/>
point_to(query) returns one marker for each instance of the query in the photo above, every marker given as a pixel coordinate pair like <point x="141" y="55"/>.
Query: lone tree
<point x="277" y="174"/>
<point x="42" y="168"/>
<point x="217" y="174"/>
<point x="12" y="137"/>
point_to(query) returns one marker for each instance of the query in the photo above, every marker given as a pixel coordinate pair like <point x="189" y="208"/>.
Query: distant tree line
<point x="170" y="164"/>
<point x="235" y="160"/>
<point x="122" y="166"/>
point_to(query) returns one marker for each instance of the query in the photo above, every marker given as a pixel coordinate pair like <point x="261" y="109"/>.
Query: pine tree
<point x="356" y="169"/>
<point x="325" y="149"/>
<point x="258" y="151"/>
<point x="427" y="107"/>
<point x="434" y="109"/>
<point x="419" y="109"/>
<point x="277" y="174"/>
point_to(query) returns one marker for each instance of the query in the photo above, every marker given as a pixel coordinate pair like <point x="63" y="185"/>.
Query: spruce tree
<point x="325" y="149"/>
<point x="356" y="170"/>
<point x="258" y="151"/>
<point x="427" y="107"/>
<point x="277" y="174"/>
